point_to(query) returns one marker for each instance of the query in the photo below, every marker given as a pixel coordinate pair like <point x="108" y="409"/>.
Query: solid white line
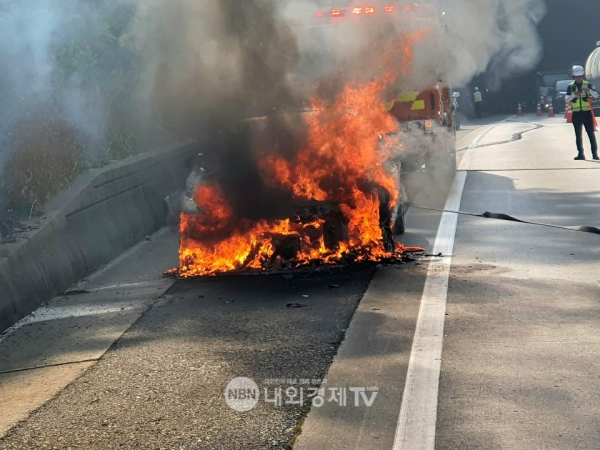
<point x="49" y="313"/>
<point x="418" y="412"/>
<point x="122" y="286"/>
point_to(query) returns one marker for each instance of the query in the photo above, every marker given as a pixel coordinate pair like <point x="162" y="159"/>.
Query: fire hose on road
<point x="502" y="216"/>
<point x="506" y="217"/>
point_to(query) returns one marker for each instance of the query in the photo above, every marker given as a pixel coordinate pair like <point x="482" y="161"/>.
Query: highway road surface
<point x="490" y="344"/>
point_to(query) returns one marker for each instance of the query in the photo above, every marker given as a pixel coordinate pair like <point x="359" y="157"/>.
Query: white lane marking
<point x="45" y="314"/>
<point x="418" y="412"/>
<point x="83" y="309"/>
<point x="123" y="286"/>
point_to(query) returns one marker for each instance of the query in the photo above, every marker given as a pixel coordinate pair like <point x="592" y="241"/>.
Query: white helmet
<point x="476" y="89"/>
<point x="578" y="71"/>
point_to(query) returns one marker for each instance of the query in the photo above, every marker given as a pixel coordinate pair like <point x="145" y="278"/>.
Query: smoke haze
<point x="146" y="73"/>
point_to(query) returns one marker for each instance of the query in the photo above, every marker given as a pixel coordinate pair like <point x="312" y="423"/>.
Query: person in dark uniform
<point x="579" y="93"/>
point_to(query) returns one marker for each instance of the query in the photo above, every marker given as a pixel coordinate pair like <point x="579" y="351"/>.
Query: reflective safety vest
<point x="580" y="103"/>
<point x="477" y="97"/>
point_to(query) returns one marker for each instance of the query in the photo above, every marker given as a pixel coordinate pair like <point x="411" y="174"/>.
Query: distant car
<point x="546" y="86"/>
<point x="559" y="102"/>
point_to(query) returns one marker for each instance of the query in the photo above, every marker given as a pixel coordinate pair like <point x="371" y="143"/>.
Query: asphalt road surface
<point x="491" y="345"/>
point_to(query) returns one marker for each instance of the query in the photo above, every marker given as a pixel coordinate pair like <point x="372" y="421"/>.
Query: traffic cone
<point x="539" y="110"/>
<point x="551" y="111"/>
<point x="520" y="110"/>
<point x="569" y="113"/>
<point x="594" y="116"/>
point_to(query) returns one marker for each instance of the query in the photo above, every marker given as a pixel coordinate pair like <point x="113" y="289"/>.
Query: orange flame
<point x="342" y="158"/>
<point x="341" y="162"/>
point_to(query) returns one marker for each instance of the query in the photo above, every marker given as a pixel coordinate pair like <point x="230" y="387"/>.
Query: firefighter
<point x="579" y="93"/>
<point x="478" y="103"/>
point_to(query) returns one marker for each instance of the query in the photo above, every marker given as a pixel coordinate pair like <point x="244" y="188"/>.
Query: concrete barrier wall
<point x="105" y="212"/>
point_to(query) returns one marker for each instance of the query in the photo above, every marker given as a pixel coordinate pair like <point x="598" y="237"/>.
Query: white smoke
<point x="497" y="36"/>
<point x="465" y="38"/>
<point x="169" y="70"/>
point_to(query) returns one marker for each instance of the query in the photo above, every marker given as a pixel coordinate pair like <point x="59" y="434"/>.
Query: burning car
<point x="318" y="188"/>
<point x="332" y="201"/>
<point x="298" y="190"/>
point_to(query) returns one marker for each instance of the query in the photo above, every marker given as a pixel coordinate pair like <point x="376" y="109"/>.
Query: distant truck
<point x="546" y="86"/>
<point x="592" y="72"/>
